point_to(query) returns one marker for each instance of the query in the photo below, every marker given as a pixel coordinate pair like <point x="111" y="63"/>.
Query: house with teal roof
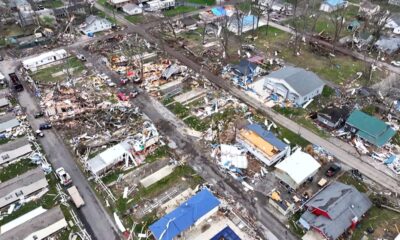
<point x="369" y="128"/>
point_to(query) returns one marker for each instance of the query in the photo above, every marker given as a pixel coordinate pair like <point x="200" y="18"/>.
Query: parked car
<point x="39" y="114"/>
<point x="332" y="170"/>
<point x="123" y="81"/>
<point x="63" y="176"/>
<point x="39" y="133"/>
<point x="44" y="126"/>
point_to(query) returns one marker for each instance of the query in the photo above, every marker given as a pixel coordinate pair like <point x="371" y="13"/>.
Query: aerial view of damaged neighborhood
<point x="199" y="119"/>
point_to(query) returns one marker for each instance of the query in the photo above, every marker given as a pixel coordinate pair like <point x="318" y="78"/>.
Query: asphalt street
<point x="97" y="221"/>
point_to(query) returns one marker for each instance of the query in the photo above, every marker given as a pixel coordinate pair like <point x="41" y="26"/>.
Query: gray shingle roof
<point x="299" y="79"/>
<point x="343" y="203"/>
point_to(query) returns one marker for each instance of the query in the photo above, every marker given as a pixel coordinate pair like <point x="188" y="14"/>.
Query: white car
<point x="395" y="63"/>
<point x="65" y="178"/>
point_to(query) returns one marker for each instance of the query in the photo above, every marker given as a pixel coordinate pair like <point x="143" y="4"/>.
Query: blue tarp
<point x="226" y="234"/>
<point x="184" y="216"/>
<point x="267" y="136"/>
<point x="218" y="11"/>
<point x="249" y="20"/>
<point x="390" y="159"/>
<point x="335" y="2"/>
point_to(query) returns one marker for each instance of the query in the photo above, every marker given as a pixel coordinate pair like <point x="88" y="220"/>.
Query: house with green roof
<point x="369" y="128"/>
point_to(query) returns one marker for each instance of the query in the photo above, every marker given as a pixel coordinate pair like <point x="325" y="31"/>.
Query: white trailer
<point x="44" y="58"/>
<point x="157" y="5"/>
<point x="76" y="197"/>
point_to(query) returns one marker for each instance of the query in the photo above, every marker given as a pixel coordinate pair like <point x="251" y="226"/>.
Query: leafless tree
<point x="167" y="26"/>
<point x="224" y="33"/>
<point x="377" y="23"/>
<point x="134" y="49"/>
<point x="338" y="20"/>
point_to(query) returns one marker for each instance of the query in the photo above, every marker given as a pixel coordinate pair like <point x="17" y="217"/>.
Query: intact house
<point x="14" y="150"/>
<point x="39" y="223"/>
<point x="297" y="168"/>
<point x="334" y="210"/>
<point x="8" y="122"/>
<point x="132" y="9"/>
<point x="95" y="24"/>
<point x="190" y="213"/>
<point x="34" y="63"/>
<point x="369" y="128"/>
<point x="22" y="186"/>
<point x="332" y="5"/>
<point x="368" y="8"/>
<point x="106" y="160"/>
<point x="117" y="3"/>
<point x="264" y="145"/>
<point x="333" y="117"/>
<point x="294" y="84"/>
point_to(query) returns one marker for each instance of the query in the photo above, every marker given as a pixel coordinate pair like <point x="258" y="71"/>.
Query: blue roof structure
<point x="267" y="136"/>
<point x="245" y="68"/>
<point x="249" y="20"/>
<point x="184" y="216"/>
<point x="226" y="234"/>
<point x="218" y="11"/>
<point x="334" y="2"/>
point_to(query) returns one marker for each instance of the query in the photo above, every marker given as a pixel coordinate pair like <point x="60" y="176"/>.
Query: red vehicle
<point x="121" y="96"/>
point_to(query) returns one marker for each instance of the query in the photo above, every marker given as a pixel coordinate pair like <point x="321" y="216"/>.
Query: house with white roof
<point x="104" y="161"/>
<point x="132" y="9"/>
<point x="297" y="168"/>
<point x="95" y="24"/>
<point x="117" y="3"/>
<point x="294" y="84"/>
<point x="45" y="58"/>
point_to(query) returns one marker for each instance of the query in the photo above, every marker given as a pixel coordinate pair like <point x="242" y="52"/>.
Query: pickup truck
<point x="63" y="176"/>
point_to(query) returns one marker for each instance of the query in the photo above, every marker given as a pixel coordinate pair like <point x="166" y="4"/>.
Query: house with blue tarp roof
<point x="369" y="128"/>
<point x="227" y="234"/>
<point x="263" y="144"/>
<point x="218" y="11"/>
<point x="332" y="5"/>
<point x="194" y="210"/>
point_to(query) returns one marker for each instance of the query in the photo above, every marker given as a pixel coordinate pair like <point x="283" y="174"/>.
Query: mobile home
<point x="43" y="59"/>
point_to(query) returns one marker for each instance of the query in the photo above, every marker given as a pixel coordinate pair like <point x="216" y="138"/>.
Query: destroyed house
<point x="14" y="150"/>
<point x="297" y="168"/>
<point x="333" y="117"/>
<point x="106" y="160"/>
<point x="264" y="145"/>
<point x="369" y="128"/>
<point x="40" y="226"/>
<point x="294" y="84"/>
<point x="22" y="186"/>
<point x="245" y="68"/>
<point x="192" y="212"/>
<point x="4" y="102"/>
<point x="334" y="210"/>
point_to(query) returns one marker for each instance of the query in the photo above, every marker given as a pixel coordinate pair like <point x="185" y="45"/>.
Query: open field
<point x="178" y="10"/>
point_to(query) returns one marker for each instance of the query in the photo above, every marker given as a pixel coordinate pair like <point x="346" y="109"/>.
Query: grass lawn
<point x="348" y="179"/>
<point x="161" y="186"/>
<point x="15" y="169"/>
<point x="293" y="137"/>
<point x="105" y="4"/>
<point x="45" y="74"/>
<point x="202" y="2"/>
<point x="178" y="10"/>
<point x="134" y="18"/>
<point x="160" y="152"/>
<point x="383" y="221"/>
<point x="52" y="4"/>
<point x="179" y="110"/>
<point x="104" y="15"/>
<point x="11" y="30"/>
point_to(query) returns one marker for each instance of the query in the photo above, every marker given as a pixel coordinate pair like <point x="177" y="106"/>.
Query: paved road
<point x="95" y="218"/>
<point x="344" y="156"/>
